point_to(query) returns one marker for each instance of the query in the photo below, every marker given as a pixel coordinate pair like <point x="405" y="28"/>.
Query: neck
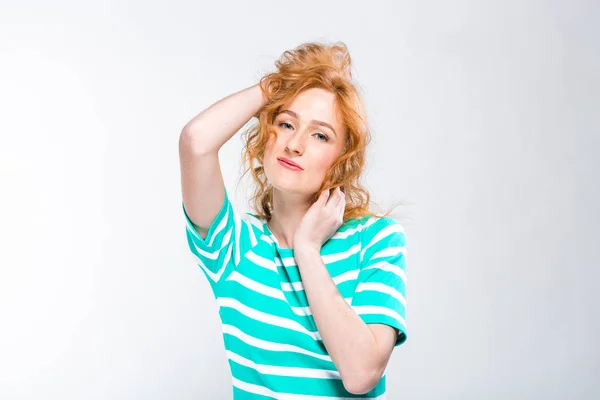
<point x="288" y="211"/>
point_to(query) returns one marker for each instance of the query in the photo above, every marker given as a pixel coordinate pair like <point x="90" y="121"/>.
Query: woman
<point x="311" y="286"/>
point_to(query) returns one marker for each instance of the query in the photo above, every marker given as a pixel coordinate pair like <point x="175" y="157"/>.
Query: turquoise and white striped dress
<point x="272" y="343"/>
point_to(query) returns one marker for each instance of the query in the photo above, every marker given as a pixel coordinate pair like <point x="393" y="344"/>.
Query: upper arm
<point x="202" y="184"/>
<point x="216" y="233"/>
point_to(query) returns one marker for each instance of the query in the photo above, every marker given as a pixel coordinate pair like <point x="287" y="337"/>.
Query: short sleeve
<point x="220" y="251"/>
<point x="380" y="295"/>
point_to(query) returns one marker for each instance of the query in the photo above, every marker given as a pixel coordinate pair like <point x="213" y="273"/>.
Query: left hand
<point x="321" y="220"/>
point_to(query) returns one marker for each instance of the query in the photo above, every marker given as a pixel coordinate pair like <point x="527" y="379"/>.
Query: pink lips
<point x="289" y="164"/>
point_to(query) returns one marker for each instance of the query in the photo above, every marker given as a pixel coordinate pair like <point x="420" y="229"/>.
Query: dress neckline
<point x="282" y="250"/>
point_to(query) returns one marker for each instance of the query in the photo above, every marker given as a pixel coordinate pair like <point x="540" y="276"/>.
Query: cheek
<point x="271" y="143"/>
<point x="270" y="151"/>
<point x="323" y="162"/>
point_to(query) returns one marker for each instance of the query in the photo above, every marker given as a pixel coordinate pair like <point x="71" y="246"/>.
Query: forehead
<point x="315" y="103"/>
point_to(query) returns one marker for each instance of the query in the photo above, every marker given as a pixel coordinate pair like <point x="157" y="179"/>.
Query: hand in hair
<point x="321" y="221"/>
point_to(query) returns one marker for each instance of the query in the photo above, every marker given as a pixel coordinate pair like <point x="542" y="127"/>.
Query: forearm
<point x="215" y="125"/>
<point x="349" y="341"/>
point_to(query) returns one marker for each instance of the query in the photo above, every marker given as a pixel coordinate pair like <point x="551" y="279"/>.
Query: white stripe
<point x="327" y="259"/>
<point x="272" y="346"/>
<point x="349" y="232"/>
<point x="218" y="229"/>
<point x="266" y="317"/>
<point x="297" y="372"/>
<point x="378" y="310"/>
<point x="267" y="239"/>
<point x="253" y="240"/>
<point x="386" y="266"/>
<point x="306" y="311"/>
<point x="341" y="278"/>
<point x="286" y="261"/>
<point x="265" y="290"/>
<point x="346" y="276"/>
<point x="263" y="391"/>
<point x="253" y="220"/>
<point x="256" y="286"/>
<point x="388" y="230"/>
<point x="342" y="255"/>
<point x="382" y="288"/>
<point x="390" y="252"/>
<point x="237" y="222"/>
<point x="261" y="261"/>
<point x="214" y="276"/>
<point x="213" y="255"/>
<point x="291" y="286"/>
<point x="301" y="311"/>
<point x="226" y="259"/>
<point x="252" y="388"/>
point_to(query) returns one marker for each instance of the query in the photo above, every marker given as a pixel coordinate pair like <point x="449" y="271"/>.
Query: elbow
<point x="194" y="141"/>
<point x="189" y="131"/>
<point x="362" y="383"/>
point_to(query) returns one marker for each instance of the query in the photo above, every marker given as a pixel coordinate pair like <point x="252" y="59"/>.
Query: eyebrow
<point x="314" y="121"/>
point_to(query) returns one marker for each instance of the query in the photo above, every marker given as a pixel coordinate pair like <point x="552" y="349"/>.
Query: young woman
<point x="311" y="285"/>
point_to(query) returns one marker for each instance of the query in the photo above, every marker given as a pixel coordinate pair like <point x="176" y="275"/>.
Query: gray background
<point x="485" y="125"/>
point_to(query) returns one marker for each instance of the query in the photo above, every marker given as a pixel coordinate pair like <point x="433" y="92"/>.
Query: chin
<point x="289" y="188"/>
<point x="285" y="183"/>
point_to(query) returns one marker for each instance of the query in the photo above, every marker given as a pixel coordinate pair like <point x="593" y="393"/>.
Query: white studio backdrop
<point x="485" y="125"/>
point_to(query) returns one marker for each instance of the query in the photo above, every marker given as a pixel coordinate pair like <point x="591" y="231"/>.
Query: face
<point x="309" y="133"/>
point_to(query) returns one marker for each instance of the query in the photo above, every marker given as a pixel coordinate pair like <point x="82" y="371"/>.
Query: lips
<point x="289" y="162"/>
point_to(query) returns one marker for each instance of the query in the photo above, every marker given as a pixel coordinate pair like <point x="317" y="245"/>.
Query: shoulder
<point x="365" y="229"/>
<point x="252" y="220"/>
<point x="384" y="229"/>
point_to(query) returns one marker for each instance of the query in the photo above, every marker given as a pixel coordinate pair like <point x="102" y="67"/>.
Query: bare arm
<point x="215" y="125"/>
<point x="199" y="143"/>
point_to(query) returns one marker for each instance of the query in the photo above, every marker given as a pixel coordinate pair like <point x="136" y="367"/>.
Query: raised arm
<point x="201" y="138"/>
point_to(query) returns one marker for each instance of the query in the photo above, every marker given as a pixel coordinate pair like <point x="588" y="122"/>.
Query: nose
<point x="296" y="143"/>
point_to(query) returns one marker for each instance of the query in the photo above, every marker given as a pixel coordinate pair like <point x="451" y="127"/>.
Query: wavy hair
<point x="313" y="65"/>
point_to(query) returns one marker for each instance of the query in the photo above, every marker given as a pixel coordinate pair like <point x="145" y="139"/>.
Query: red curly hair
<point x="313" y="65"/>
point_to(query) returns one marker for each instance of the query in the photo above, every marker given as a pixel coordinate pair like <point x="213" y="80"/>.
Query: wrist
<point x="263" y="95"/>
<point x="306" y="248"/>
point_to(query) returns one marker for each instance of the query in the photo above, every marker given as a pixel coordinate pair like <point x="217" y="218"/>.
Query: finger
<point x="333" y="199"/>
<point x="341" y="197"/>
<point x="342" y="203"/>
<point x="324" y="196"/>
<point x="342" y="211"/>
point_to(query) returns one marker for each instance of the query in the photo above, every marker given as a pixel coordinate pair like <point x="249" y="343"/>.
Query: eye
<point x="325" y="138"/>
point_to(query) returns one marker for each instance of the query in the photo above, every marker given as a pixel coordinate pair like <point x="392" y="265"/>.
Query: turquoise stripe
<point x="260" y="291"/>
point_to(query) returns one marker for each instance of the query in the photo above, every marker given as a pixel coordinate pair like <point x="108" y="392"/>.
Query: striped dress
<point x="273" y="346"/>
